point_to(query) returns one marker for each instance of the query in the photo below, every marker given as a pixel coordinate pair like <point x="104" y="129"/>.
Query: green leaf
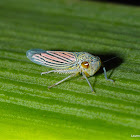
<point x="28" y="110"/>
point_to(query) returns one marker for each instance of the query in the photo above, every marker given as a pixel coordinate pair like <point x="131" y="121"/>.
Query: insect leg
<point x="60" y="71"/>
<point x="106" y="75"/>
<point x="87" y="81"/>
<point x="48" y="72"/>
<point x="61" y="81"/>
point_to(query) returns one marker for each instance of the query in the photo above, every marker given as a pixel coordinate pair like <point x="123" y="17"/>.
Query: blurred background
<point x="124" y="2"/>
<point x="28" y="110"/>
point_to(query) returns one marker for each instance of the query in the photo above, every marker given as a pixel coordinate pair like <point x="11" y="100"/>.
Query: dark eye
<point x="85" y="64"/>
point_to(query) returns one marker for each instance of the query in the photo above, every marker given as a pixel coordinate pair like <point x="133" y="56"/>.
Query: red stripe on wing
<point x="53" y="58"/>
<point x="68" y="56"/>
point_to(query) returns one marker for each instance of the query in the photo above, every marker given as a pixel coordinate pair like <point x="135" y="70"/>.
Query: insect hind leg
<point x="48" y="72"/>
<point x="61" y="71"/>
<point x="61" y="81"/>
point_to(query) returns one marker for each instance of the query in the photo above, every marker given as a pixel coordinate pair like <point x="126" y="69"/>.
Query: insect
<point x="67" y="62"/>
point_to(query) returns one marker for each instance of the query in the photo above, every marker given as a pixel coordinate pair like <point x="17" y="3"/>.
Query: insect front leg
<point x="88" y="82"/>
<point x="106" y="75"/>
<point x="61" y="81"/>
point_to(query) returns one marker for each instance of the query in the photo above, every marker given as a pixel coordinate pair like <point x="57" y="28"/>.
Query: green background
<point x="28" y="110"/>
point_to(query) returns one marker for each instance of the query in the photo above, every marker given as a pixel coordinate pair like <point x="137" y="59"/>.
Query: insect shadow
<point x="109" y="61"/>
<point x="123" y="2"/>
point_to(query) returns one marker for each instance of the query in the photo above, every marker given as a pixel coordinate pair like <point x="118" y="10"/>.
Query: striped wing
<point x="53" y="59"/>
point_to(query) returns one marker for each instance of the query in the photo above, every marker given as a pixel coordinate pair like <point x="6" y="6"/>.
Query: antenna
<point x="109" y="59"/>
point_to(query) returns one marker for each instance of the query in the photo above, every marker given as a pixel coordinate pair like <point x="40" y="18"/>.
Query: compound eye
<point x="85" y="64"/>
